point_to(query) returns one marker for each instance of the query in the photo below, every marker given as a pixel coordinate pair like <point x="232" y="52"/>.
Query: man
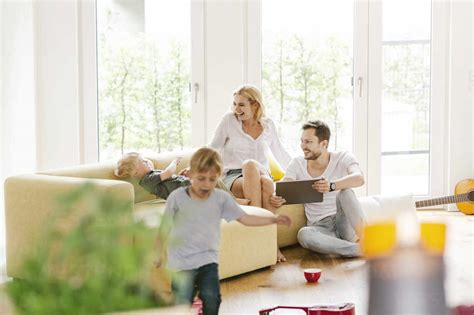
<point x="334" y="225"/>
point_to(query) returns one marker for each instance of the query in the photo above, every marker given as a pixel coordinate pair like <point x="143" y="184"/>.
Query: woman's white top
<point x="235" y="146"/>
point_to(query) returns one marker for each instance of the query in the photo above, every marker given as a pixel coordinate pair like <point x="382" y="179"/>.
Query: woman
<point x="243" y="137"/>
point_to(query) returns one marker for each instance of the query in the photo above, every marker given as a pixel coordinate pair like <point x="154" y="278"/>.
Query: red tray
<point x="336" y="309"/>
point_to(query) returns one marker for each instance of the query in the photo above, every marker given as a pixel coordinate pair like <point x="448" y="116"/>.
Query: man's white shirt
<point x="338" y="167"/>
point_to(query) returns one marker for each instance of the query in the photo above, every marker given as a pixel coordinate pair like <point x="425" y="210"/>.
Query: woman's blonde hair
<point x="204" y="160"/>
<point x="127" y="165"/>
<point x="253" y="95"/>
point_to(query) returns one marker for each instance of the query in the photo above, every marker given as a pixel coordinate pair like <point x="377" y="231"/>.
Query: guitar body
<point x="465" y="186"/>
<point x="463" y="197"/>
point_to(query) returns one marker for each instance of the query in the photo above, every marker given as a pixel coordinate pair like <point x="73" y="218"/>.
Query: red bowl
<point x="312" y="275"/>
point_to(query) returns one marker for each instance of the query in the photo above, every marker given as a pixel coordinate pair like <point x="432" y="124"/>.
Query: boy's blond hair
<point x="205" y="159"/>
<point x="127" y="165"/>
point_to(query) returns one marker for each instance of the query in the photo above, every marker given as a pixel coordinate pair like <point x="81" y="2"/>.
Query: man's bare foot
<point x="280" y="256"/>
<point x="242" y="201"/>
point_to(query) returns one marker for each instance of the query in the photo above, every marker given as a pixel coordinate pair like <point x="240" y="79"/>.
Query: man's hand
<point x="277" y="201"/>
<point x="283" y="219"/>
<point x="321" y="185"/>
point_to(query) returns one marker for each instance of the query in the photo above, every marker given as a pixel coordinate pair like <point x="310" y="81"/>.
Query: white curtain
<point x="17" y="98"/>
<point x="47" y="75"/>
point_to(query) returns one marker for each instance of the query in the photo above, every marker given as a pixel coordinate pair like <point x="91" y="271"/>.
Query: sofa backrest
<point x="105" y="170"/>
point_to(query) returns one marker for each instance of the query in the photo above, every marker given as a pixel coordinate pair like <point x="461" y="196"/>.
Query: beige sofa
<point x="30" y="200"/>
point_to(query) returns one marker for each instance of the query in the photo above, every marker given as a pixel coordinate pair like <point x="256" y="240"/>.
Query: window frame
<point x="439" y="26"/>
<point x="88" y="85"/>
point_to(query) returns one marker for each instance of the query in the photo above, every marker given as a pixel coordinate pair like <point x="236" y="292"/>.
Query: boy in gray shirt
<point x="191" y="228"/>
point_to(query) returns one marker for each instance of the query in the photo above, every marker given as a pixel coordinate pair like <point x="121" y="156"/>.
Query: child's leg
<point x="207" y="280"/>
<point x="183" y="286"/>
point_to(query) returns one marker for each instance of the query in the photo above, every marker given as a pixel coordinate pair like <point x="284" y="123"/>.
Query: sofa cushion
<point x="103" y="170"/>
<point x="386" y="208"/>
<point x="96" y="170"/>
<point x="276" y="170"/>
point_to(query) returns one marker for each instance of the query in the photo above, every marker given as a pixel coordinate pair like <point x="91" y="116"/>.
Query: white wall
<point x="1" y="91"/>
<point x="229" y="26"/>
<point x="2" y="213"/>
<point x="224" y="57"/>
<point x="57" y="83"/>
<point x="18" y="73"/>
<point x="47" y="69"/>
<point x="17" y="94"/>
<point x="472" y="88"/>
<point x="460" y="108"/>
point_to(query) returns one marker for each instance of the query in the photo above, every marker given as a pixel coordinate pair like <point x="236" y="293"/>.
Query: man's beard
<point x="313" y="155"/>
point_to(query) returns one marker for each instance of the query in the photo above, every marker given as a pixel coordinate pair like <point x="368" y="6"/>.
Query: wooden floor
<point x="345" y="280"/>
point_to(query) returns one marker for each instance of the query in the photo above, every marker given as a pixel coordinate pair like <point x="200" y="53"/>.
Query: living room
<point x="393" y="79"/>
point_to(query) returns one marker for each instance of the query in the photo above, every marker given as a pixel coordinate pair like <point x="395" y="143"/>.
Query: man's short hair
<point x="321" y="129"/>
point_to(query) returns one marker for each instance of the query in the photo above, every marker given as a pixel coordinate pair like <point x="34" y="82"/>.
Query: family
<point x="236" y="161"/>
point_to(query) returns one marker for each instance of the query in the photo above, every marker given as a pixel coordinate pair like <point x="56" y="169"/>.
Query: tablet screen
<point x="298" y="191"/>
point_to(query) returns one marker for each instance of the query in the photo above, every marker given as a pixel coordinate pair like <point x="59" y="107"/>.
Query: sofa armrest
<point x="287" y="235"/>
<point x="31" y="200"/>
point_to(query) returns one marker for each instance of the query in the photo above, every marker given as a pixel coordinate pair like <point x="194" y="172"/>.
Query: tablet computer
<point x="298" y="191"/>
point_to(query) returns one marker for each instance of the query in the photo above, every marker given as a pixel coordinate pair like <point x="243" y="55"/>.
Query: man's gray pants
<point x="339" y="233"/>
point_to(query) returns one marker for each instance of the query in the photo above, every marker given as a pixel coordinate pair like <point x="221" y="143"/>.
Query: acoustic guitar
<point x="463" y="198"/>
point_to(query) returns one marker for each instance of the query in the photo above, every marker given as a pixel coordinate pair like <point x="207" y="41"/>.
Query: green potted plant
<point x="91" y="261"/>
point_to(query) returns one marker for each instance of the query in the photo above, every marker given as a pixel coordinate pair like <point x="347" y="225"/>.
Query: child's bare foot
<point x="242" y="201"/>
<point x="280" y="256"/>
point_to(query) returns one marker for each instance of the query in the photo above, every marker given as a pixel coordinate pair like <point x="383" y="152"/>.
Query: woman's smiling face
<point x="243" y="108"/>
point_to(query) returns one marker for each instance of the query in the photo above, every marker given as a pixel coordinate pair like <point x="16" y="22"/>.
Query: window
<point x="144" y="65"/>
<point x="406" y="77"/>
<point x="364" y="67"/>
<point x="307" y="67"/>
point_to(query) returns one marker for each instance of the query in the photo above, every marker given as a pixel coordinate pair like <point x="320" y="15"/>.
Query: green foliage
<point x="144" y="101"/>
<point x="89" y="261"/>
<point x="302" y="81"/>
<point x="407" y="81"/>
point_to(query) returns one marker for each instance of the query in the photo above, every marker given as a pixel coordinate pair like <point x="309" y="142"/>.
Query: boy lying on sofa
<point x="158" y="182"/>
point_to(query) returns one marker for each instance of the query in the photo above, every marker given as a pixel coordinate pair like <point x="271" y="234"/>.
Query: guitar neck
<point x="442" y="200"/>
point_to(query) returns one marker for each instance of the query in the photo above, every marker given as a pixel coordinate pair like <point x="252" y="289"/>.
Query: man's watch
<point x="332" y="186"/>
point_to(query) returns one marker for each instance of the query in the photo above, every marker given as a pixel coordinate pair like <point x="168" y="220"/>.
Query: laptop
<point x="298" y="191"/>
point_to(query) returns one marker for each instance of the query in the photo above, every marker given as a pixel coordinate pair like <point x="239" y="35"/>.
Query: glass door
<point x="144" y="75"/>
<point x="405" y="97"/>
<point x="307" y="67"/>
